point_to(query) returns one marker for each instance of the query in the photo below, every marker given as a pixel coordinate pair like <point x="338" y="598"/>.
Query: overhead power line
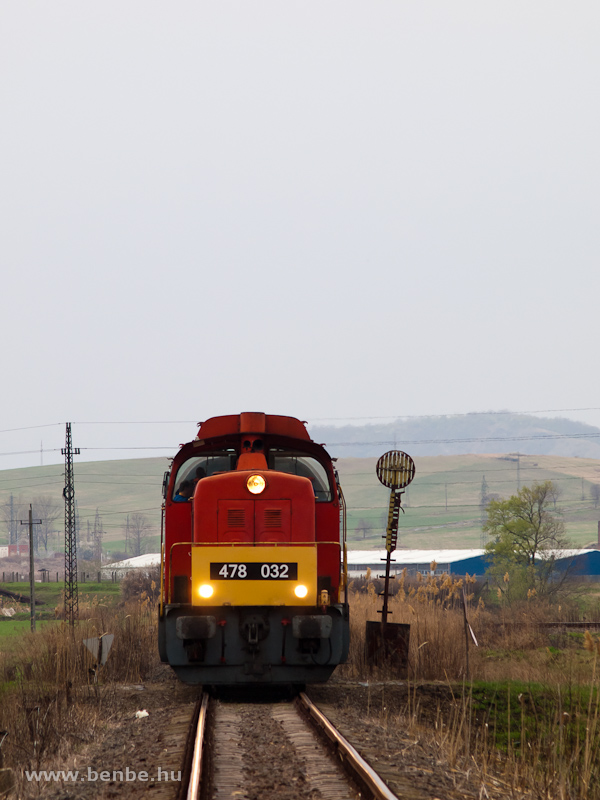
<point x="141" y="422"/>
<point x="145" y="447"/>
<point x="385" y="443"/>
<point x="32" y="427"/>
<point x="28" y="452"/>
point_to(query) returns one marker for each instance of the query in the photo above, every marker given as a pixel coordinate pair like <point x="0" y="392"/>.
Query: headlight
<point x="300" y="591"/>
<point x="256" y="484"/>
<point x="206" y="591"/>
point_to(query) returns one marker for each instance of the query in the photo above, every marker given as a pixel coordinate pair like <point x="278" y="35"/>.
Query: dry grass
<point x="524" y="717"/>
<point x="52" y="693"/>
<point x="511" y="644"/>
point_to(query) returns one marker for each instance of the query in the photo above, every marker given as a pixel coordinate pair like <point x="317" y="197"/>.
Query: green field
<point x="442" y="505"/>
<point x="51" y="595"/>
<point x="12" y="629"/>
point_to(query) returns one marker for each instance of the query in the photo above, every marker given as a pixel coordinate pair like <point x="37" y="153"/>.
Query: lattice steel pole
<point x="71" y="592"/>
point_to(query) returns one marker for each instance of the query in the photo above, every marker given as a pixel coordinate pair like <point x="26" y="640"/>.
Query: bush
<point x="139" y="584"/>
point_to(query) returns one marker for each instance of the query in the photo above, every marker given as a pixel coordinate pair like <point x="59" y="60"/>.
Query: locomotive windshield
<point x="205" y="465"/>
<point x="293" y="463"/>
<point x="306" y="466"/>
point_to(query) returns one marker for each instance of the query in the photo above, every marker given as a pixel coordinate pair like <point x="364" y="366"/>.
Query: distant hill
<point x="460" y="435"/>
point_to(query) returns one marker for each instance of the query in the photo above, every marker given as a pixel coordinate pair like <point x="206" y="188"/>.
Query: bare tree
<point x="48" y="510"/>
<point x="363" y="526"/>
<point x="484" y="499"/>
<point x="139" y="533"/>
<point x="554" y="493"/>
<point x="10" y="513"/>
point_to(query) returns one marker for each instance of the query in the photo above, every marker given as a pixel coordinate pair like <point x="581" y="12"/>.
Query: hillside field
<point x="442" y="505"/>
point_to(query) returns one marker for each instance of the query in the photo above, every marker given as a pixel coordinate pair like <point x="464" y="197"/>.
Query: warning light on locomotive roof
<point x="256" y="484"/>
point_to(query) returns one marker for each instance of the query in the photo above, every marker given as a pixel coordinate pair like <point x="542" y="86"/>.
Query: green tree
<point x="526" y="534"/>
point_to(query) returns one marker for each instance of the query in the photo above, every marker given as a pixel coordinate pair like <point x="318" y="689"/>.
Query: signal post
<point x="395" y="470"/>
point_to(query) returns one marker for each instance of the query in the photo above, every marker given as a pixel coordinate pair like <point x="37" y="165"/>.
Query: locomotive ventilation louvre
<point x="236" y="517"/>
<point x="272" y="518"/>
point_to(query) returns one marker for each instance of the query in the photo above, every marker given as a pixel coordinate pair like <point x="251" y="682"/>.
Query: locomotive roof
<point x="253" y="423"/>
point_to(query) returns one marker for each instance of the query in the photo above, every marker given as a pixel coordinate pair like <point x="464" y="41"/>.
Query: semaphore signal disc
<point x="395" y="469"/>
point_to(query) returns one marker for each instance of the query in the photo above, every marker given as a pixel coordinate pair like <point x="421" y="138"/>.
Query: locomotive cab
<point x="252" y="577"/>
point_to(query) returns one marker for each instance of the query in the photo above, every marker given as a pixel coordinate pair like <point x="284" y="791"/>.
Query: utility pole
<point x="71" y="592"/>
<point x="31" y="522"/>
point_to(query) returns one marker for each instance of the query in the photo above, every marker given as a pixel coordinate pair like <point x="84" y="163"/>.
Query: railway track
<point x="287" y="751"/>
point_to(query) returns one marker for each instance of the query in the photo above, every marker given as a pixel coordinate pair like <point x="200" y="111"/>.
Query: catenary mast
<point x="71" y="592"/>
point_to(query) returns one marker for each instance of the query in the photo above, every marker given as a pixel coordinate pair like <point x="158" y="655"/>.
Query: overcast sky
<point x="323" y="209"/>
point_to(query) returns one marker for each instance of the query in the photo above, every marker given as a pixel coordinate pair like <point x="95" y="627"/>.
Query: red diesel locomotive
<point x="253" y="576"/>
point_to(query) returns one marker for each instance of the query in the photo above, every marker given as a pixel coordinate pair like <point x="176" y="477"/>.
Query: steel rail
<point x="351" y="759"/>
<point x="196" y="771"/>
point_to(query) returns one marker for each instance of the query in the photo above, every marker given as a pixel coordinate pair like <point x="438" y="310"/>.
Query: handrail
<point x="344" y="576"/>
<point x="162" y="559"/>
